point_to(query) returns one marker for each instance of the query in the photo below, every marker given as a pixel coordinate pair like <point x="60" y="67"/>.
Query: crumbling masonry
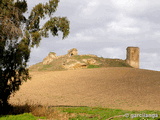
<point x="132" y="57"/>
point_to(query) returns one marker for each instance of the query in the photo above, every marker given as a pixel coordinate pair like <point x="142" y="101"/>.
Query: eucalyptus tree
<point x="18" y="34"/>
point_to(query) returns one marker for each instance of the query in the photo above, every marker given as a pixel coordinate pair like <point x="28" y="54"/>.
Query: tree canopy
<point x="18" y="34"/>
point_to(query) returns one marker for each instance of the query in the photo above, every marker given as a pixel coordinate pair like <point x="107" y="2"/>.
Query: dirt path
<point x="123" y="88"/>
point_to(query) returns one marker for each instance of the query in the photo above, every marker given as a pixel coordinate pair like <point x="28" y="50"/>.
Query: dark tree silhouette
<point x="18" y="35"/>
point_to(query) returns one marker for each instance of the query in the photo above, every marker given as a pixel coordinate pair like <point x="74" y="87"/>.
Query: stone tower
<point x="133" y="56"/>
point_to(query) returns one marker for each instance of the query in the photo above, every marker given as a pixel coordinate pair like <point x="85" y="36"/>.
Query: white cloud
<point x="152" y="61"/>
<point x="111" y="52"/>
<point x="106" y="28"/>
<point x="131" y="5"/>
<point x="124" y="25"/>
<point x="83" y="38"/>
<point x="90" y="7"/>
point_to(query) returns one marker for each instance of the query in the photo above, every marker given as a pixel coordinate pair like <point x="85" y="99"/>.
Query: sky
<point x="106" y="28"/>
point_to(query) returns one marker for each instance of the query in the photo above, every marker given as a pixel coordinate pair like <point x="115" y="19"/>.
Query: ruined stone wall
<point x="72" y="52"/>
<point x="52" y="55"/>
<point x="49" y="58"/>
<point x="132" y="57"/>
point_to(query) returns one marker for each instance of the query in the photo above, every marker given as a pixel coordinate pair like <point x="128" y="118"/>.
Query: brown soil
<point x="121" y="88"/>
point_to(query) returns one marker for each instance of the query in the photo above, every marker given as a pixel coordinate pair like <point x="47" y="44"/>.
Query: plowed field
<point x="115" y="87"/>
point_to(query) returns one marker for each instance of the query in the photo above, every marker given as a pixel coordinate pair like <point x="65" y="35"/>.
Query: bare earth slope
<point x="123" y="88"/>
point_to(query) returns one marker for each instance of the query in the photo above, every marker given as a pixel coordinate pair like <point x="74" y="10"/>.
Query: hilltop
<point x="74" y="61"/>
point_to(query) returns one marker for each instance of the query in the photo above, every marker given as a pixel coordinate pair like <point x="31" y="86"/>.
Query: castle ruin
<point x="52" y="55"/>
<point x="132" y="57"/>
<point x="72" y="52"/>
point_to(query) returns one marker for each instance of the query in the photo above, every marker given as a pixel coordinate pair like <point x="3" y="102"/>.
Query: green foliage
<point x="45" y="67"/>
<point x="56" y="24"/>
<point x="87" y="113"/>
<point x="93" y="66"/>
<point x="18" y="35"/>
<point x="25" y="116"/>
<point x="21" y="5"/>
<point x="82" y="113"/>
<point x="56" y="64"/>
<point x="117" y="63"/>
<point x="80" y="57"/>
